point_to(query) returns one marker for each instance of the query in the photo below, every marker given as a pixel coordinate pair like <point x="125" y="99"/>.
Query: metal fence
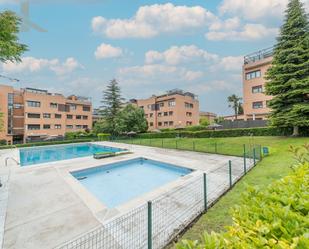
<point x="156" y="223"/>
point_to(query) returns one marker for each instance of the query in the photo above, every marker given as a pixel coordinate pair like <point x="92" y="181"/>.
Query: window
<point x="165" y="123"/>
<point x="148" y="106"/>
<point x="46" y="115"/>
<point x="161" y="104"/>
<point x="57" y="115"/>
<point x="78" y="117"/>
<point x="159" y="114"/>
<point x="189" y="114"/>
<point x="257" y="105"/>
<point x="188" y="105"/>
<point x="33" y="103"/>
<point x="151" y="115"/>
<point x="151" y="124"/>
<point x="18" y="106"/>
<point x="85" y="117"/>
<point x="146" y="115"/>
<point x="46" y="126"/>
<point x="165" y="113"/>
<point x="85" y="126"/>
<point x="69" y="116"/>
<point x="160" y="123"/>
<point x="86" y="108"/>
<point x="33" y="115"/>
<point x="257" y="89"/>
<point x="170" y="113"/>
<point x="142" y="107"/>
<point x="53" y="105"/>
<point x="34" y="127"/>
<point x="171" y="103"/>
<point x="72" y="107"/>
<point x="79" y="126"/>
<point x="170" y="123"/>
<point x="254" y="74"/>
<point x="188" y="123"/>
<point x="57" y="126"/>
<point x="69" y="126"/>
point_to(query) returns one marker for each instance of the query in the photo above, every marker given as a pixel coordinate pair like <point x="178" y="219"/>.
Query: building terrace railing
<point x="259" y="55"/>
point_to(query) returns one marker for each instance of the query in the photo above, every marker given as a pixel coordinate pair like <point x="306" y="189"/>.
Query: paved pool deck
<point x="43" y="206"/>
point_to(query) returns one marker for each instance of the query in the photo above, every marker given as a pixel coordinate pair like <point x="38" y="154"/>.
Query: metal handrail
<point x="6" y="160"/>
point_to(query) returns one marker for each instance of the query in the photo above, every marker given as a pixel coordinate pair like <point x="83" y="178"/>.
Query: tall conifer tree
<point x="288" y="77"/>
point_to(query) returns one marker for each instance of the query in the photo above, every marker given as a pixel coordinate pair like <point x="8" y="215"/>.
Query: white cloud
<point x="193" y="75"/>
<point x="248" y="32"/>
<point x="66" y="67"/>
<point x="180" y="54"/>
<point x="151" y="20"/>
<point x="33" y="64"/>
<point x="229" y="63"/>
<point x="228" y="24"/>
<point x="107" y="51"/>
<point x="256" y="9"/>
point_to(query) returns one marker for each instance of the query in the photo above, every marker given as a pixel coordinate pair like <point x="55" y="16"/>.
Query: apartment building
<point x="35" y="114"/>
<point x="210" y="116"/>
<point x="175" y="109"/>
<point x="255" y="100"/>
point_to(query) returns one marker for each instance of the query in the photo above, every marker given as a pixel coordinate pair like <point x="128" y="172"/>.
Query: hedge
<point x="265" y="131"/>
<point x="104" y="136"/>
<point x="275" y="217"/>
<point x="47" y="143"/>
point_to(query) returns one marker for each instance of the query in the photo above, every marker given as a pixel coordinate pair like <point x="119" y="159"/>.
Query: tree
<point x="288" y="77"/>
<point x="111" y="106"/>
<point x="131" y="118"/>
<point x="10" y="48"/>
<point x="204" y="121"/>
<point x="233" y="101"/>
<point x="240" y="109"/>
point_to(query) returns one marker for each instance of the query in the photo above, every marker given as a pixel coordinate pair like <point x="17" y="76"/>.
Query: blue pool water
<point x="117" y="183"/>
<point x="44" y="154"/>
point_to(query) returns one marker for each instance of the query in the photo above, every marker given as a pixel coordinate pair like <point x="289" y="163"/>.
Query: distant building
<point x="255" y="100"/>
<point x="35" y="114"/>
<point x="175" y="109"/>
<point x="210" y="116"/>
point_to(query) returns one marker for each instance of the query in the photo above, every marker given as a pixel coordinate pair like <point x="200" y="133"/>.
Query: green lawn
<point x="272" y="167"/>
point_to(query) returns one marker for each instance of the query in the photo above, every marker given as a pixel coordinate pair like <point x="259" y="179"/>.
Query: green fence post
<point x="193" y="145"/>
<point x="254" y="159"/>
<point x="230" y="172"/>
<point x="260" y="152"/>
<point x="245" y="166"/>
<point x="205" y="191"/>
<point x="149" y="224"/>
<point x="216" y="149"/>
<point x="176" y="144"/>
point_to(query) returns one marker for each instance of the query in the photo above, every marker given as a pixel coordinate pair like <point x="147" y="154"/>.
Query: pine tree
<point x="288" y="77"/>
<point x="111" y="105"/>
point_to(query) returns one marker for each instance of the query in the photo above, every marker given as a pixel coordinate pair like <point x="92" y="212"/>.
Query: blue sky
<point x="148" y="46"/>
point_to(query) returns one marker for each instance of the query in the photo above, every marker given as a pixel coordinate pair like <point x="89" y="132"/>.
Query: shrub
<point x="47" y="143"/>
<point x="2" y="142"/>
<point x="104" y="136"/>
<point x="264" y="131"/>
<point x="275" y="217"/>
<point x="195" y="128"/>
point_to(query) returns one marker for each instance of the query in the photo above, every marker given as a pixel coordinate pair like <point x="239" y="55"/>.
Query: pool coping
<point x="100" y="210"/>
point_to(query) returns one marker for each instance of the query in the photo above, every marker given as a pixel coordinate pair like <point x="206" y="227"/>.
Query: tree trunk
<point x="295" y="131"/>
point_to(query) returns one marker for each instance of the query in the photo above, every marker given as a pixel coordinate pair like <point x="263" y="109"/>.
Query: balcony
<point x="259" y="55"/>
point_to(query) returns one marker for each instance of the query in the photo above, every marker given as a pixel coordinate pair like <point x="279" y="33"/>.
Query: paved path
<point x="46" y="206"/>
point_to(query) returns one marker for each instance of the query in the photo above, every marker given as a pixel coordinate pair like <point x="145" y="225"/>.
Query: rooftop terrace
<point x="258" y="55"/>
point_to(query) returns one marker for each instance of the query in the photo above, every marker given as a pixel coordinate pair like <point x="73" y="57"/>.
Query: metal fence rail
<point x="156" y="223"/>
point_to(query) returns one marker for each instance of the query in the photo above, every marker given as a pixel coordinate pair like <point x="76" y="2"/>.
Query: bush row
<point x="265" y="131"/>
<point x="275" y="217"/>
<point x="47" y="143"/>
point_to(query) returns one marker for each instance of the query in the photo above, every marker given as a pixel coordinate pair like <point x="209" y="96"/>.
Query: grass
<point x="272" y="167"/>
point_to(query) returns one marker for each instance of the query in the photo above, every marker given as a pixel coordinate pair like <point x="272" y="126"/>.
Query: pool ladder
<point x="6" y="160"/>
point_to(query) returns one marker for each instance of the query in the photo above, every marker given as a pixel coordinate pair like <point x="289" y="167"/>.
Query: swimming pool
<point x="44" y="154"/>
<point x="117" y="183"/>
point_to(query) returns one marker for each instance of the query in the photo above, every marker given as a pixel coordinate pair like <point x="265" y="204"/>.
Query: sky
<point x="78" y="46"/>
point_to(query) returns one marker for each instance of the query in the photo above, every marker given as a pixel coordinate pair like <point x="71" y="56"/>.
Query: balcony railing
<point x="259" y="55"/>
